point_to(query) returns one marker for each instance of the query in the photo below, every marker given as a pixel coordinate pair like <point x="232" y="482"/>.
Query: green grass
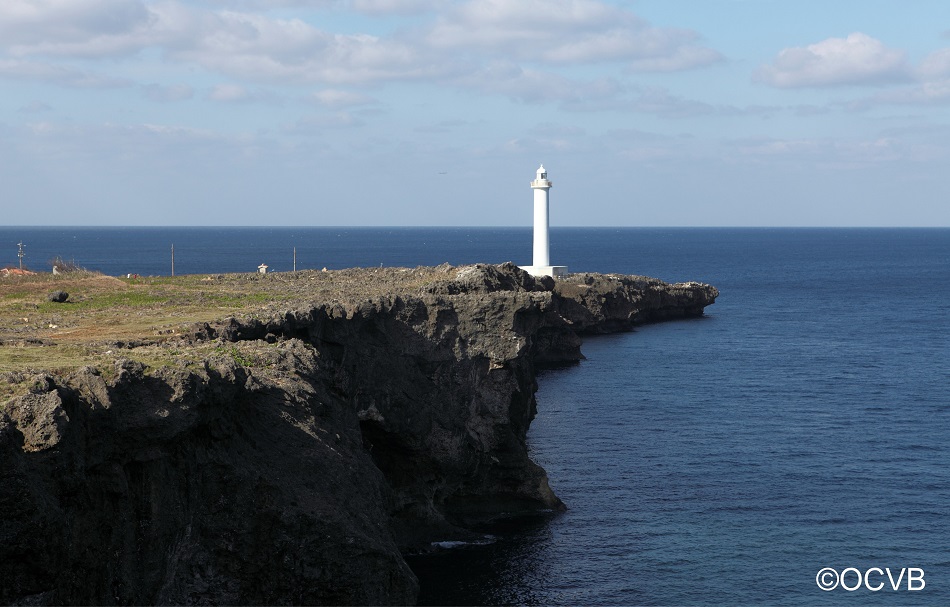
<point x="36" y="334"/>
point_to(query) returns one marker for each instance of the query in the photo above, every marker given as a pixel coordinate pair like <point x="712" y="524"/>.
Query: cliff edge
<point x="293" y="455"/>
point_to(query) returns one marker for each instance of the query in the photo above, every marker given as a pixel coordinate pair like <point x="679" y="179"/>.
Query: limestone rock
<point x="298" y="463"/>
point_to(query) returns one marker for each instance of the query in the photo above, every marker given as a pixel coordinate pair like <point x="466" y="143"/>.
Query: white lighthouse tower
<point x="541" y="264"/>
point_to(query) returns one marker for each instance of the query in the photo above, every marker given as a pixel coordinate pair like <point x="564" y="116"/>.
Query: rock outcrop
<point x="298" y="456"/>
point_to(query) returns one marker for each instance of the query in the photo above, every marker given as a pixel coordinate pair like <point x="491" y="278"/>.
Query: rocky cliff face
<point x="293" y="460"/>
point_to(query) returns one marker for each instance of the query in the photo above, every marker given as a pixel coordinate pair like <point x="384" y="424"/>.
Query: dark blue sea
<point x="802" y="424"/>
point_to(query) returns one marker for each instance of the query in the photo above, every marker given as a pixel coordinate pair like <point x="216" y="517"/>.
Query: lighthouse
<point x="541" y="264"/>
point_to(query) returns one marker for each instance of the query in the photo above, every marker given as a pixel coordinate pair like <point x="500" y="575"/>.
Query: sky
<point x="438" y="112"/>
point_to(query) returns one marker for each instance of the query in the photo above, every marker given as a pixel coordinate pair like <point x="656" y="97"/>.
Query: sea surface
<point x="802" y="424"/>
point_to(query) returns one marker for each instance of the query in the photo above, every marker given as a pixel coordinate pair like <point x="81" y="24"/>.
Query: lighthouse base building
<point x="552" y="271"/>
<point x="541" y="264"/>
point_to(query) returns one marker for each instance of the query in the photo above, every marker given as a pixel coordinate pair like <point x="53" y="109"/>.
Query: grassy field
<point x="103" y="308"/>
<point x="104" y="314"/>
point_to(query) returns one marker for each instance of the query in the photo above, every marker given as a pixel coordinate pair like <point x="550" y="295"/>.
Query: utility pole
<point x="20" y="253"/>
<point x="173" y="260"/>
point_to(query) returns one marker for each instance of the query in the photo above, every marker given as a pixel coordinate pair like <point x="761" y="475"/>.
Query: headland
<point x="278" y="438"/>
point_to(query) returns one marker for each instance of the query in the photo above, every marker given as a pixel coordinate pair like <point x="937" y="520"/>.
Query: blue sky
<point x="424" y="112"/>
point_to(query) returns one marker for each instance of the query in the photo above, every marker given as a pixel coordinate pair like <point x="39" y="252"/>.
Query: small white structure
<point x="541" y="264"/>
<point x="262" y="268"/>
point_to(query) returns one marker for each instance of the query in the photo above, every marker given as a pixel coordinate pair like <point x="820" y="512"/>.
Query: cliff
<point x="294" y="455"/>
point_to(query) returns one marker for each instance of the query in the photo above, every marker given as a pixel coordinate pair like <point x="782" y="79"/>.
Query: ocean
<point x="797" y="435"/>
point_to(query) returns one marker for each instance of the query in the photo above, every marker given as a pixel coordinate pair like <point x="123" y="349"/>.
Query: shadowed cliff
<point x="293" y="456"/>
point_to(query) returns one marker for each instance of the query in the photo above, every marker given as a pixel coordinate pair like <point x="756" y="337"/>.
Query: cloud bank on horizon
<point x="437" y="112"/>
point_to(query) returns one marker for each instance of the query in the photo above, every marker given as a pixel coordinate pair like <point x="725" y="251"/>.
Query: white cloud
<point x="229" y="92"/>
<point x="315" y="125"/>
<point x="335" y="98"/>
<point x="260" y="48"/>
<point x="35" y="107"/>
<point x="74" y="27"/>
<point x="240" y="39"/>
<point x="548" y="136"/>
<point x="273" y="4"/>
<point x="828" y="153"/>
<point x="368" y="7"/>
<point x="173" y="92"/>
<point x="932" y="86"/>
<point x="929" y="85"/>
<point x="235" y="93"/>
<point x="113" y="141"/>
<point x="534" y="86"/>
<point x="57" y="74"/>
<point x="566" y="32"/>
<point x="678" y="58"/>
<point x="927" y="93"/>
<point x="444" y="126"/>
<point x="658" y="101"/>
<point x="398" y="7"/>
<point x="239" y="44"/>
<point x="935" y="65"/>
<point x="857" y="59"/>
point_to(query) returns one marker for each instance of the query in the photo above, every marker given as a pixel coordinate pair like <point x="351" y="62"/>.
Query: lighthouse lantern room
<point x="541" y="264"/>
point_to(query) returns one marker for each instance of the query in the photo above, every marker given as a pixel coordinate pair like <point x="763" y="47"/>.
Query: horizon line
<point x="480" y="227"/>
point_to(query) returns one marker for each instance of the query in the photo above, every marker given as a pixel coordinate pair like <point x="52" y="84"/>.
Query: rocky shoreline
<point x="294" y="458"/>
